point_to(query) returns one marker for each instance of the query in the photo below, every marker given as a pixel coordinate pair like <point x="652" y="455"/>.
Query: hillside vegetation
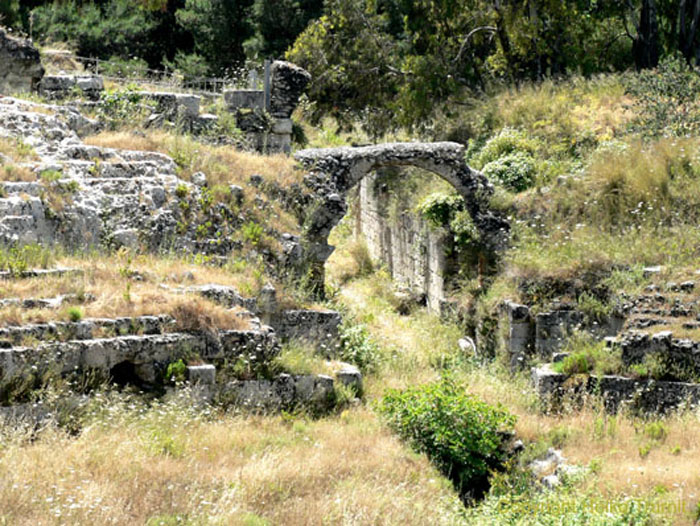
<point x="595" y="166"/>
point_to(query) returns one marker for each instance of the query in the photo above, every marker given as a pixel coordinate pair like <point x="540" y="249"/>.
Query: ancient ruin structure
<point x="20" y="65"/>
<point x="333" y="172"/>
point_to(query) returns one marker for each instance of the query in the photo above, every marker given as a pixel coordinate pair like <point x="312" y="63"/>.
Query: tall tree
<point x="278" y="23"/>
<point x="646" y="44"/>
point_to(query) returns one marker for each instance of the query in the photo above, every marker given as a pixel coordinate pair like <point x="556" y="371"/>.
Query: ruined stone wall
<point x="413" y="252"/>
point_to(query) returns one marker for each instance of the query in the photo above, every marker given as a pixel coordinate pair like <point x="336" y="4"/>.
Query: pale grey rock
<point x="62" y="86"/>
<point x="201" y="374"/>
<point x="127" y="237"/>
<point x="350" y="376"/>
<point x="282" y="126"/>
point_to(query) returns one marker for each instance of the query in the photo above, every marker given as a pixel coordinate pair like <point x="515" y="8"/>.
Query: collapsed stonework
<point x="20" y="64"/>
<point x="657" y="372"/>
<point x="333" y="172"/>
<point x="99" y="196"/>
<point x="271" y="131"/>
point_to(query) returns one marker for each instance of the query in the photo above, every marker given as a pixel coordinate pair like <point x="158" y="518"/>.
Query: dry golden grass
<point x="616" y="446"/>
<point x="105" y="277"/>
<point x="16" y="150"/>
<point x="14" y="173"/>
<point x="170" y="463"/>
<point x="222" y="164"/>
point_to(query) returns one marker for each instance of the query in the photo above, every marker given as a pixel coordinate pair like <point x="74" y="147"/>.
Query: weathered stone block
<point x="288" y="81"/>
<point x="251" y="99"/>
<point x="201" y="374"/>
<point x="553" y="328"/>
<point x="282" y="126"/>
<point x="20" y="65"/>
<point x="350" y="376"/>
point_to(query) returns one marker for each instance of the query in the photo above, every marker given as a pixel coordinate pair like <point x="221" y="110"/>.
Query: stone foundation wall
<point x="413" y="252"/>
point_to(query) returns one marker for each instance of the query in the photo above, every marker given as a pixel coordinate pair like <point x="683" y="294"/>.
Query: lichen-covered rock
<point x="20" y="65"/>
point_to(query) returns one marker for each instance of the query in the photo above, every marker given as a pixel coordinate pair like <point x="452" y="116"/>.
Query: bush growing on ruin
<point x="462" y="435"/>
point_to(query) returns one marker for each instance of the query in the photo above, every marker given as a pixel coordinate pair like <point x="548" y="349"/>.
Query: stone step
<point x="46" y="303"/>
<point x="20" y="187"/>
<point x="42" y="273"/>
<point x="223" y="295"/>
<point x="645" y="322"/>
<point x="116" y="169"/>
<point x="145" y="355"/>
<point x="282" y="393"/>
<point x="85" y="329"/>
<point x="682" y="353"/>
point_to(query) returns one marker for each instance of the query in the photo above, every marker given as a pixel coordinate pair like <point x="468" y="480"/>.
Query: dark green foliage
<point x="449" y="211"/>
<point x="9" y="12"/>
<point x="666" y="99"/>
<point x="115" y="28"/>
<point x="275" y="32"/>
<point x="439" y="208"/>
<point x="462" y="435"/>
<point x="176" y="372"/>
<point x="219" y="28"/>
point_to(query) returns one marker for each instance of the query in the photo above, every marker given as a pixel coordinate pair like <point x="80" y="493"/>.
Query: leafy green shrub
<point x="176" y="372"/>
<point x="252" y="232"/>
<point x="122" y="108"/>
<point x="182" y="191"/>
<point x="448" y="211"/>
<point x="357" y="347"/>
<point x="462" y="435"/>
<point x="514" y="171"/>
<point x="75" y="314"/>
<point x="508" y="141"/>
<point x="439" y="208"/>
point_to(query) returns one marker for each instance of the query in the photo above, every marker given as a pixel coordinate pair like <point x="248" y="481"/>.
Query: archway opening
<point x="334" y="172"/>
<point x="412" y="224"/>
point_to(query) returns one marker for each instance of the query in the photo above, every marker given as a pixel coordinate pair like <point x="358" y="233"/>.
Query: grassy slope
<point x="170" y="465"/>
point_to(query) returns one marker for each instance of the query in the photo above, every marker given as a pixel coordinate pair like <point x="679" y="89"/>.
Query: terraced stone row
<point x="85" y="329"/>
<point x="644" y="395"/>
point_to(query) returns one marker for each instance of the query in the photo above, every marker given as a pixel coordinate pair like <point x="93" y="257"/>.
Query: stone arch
<point x="333" y="172"/>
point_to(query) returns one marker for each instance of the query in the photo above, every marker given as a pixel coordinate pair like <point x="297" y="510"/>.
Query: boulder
<point x="20" y="65"/>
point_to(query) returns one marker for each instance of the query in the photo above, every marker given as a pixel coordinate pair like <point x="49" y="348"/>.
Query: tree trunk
<point x="646" y="45"/>
<point x="502" y="33"/>
<point x="688" y="28"/>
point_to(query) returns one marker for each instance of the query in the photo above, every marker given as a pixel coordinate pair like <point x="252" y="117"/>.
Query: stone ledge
<point x="649" y="396"/>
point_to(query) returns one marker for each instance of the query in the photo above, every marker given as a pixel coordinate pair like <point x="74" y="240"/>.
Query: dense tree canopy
<point x="388" y="62"/>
